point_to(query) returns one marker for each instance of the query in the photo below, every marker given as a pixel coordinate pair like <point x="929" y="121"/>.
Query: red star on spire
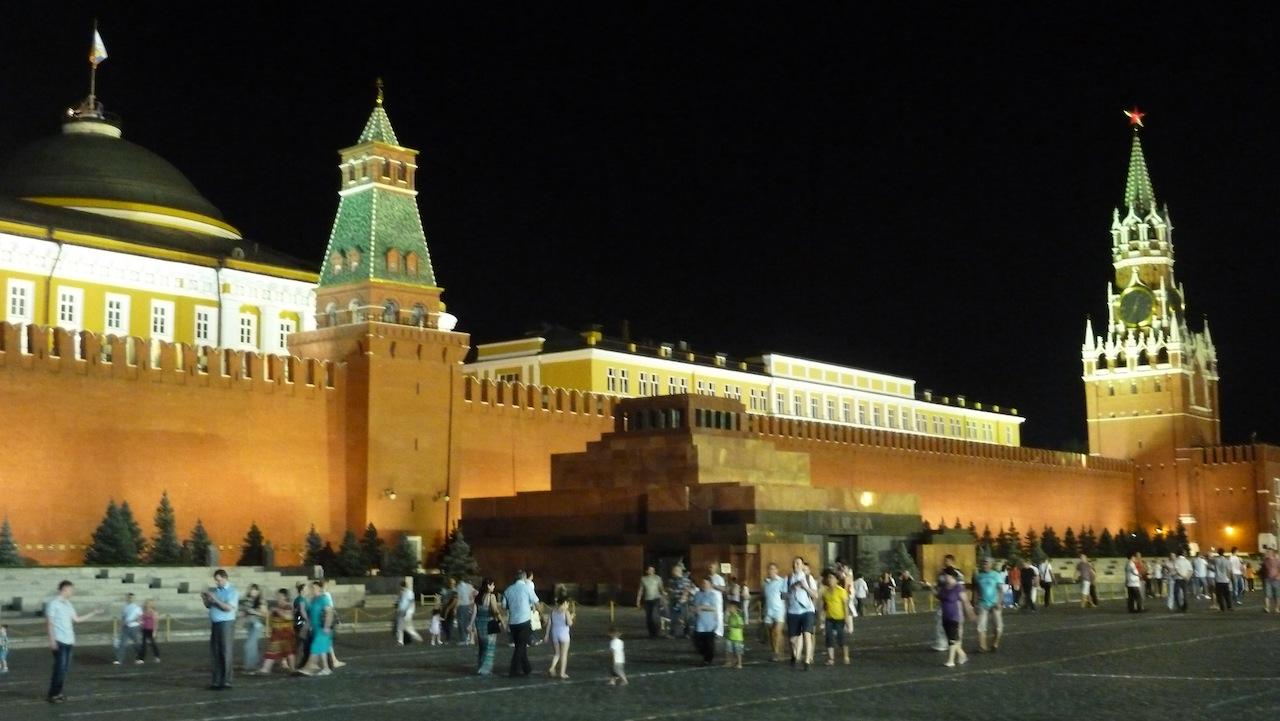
<point x="1135" y="116"/>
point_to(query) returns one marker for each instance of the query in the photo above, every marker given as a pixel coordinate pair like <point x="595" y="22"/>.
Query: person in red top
<point x="149" y="618"/>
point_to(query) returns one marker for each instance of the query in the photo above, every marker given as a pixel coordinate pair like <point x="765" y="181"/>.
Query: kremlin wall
<point x="363" y="411"/>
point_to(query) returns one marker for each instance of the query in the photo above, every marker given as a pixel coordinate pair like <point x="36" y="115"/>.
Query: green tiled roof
<point x="379" y="128"/>
<point x="1138" y="193"/>
<point x="373" y="222"/>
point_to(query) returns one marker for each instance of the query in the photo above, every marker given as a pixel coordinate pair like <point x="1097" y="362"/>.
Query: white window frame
<point x="251" y="326"/>
<point x="70" y="307"/>
<point x="875" y="415"/>
<point x="1008" y="436"/>
<point x="121" y="325"/>
<point x="161" y="310"/>
<point x="287" y="326"/>
<point x="845" y="414"/>
<point x="797" y="405"/>
<point x="625" y="377"/>
<point x="781" y="403"/>
<point x="19" y="301"/>
<point x="611" y="380"/>
<point x="210" y="323"/>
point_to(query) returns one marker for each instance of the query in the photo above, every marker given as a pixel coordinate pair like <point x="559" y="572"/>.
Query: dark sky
<point x="925" y="192"/>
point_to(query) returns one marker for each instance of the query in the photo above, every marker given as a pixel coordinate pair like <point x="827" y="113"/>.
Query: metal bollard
<point x="611" y="605"/>
<point x="168" y="628"/>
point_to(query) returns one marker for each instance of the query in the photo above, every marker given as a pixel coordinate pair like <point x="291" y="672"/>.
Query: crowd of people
<point x="714" y="613"/>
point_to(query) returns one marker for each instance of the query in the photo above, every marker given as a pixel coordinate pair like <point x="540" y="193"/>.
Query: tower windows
<point x="1121" y="360"/>
<point x="386" y="168"/>
<point x="419" y="315"/>
<point x="351" y="173"/>
<point x="411" y="263"/>
<point x="402" y="172"/>
<point x="335" y="261"/>
<point x="390" y="311"/>
<point x="393" y="261"/>
<point x="1162" y="356"/>
<point x="353" y="258"/>
<point x="1143" y="358"/>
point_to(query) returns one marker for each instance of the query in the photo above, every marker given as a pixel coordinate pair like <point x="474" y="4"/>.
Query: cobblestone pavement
<point x="1056" y="664"/>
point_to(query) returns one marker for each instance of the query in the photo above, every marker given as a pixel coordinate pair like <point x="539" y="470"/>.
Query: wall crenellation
<point x="31" y="346"/>
<point x="851" y="435"/>
<point x="517" y="395"/>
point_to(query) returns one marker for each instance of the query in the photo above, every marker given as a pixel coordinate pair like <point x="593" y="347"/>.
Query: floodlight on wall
<point x="441" y="496"/>
<point x="389" y="494"/>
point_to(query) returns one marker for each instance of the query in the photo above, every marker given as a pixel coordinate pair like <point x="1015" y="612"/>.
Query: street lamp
<point x="389" y="494"/>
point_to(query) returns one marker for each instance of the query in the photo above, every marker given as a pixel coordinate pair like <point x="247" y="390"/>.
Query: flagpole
<point x="93" y="72"/>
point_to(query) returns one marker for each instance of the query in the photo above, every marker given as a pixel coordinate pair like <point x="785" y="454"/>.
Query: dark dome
<point x="99" y="167"/>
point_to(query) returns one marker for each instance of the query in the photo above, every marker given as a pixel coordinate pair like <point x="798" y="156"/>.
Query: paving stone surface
<point x="1064" y="663"/>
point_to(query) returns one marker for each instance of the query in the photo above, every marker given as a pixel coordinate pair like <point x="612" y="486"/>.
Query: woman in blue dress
<point x="320" y="611"/>
<point x="488" y="623"/>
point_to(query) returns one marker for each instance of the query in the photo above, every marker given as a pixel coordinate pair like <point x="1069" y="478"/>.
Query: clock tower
<point x="1151" y="382"/>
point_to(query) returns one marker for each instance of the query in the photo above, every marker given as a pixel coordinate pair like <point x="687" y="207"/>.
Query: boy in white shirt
<point x="617" y="671"/>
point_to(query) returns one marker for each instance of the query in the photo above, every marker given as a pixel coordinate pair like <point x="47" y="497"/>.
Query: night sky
<point x="922" y="193"/>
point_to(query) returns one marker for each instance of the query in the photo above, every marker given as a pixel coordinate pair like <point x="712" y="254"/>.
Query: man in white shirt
<point x="60" y="619"/>
<point x="1200" y="567"/>
<point x="802" y="591"/>
<point x="1133" y="583"/>
<point x="466" y="611"/>
<point x="1181" y="581"/>
<point x="860" y="591"/>
<point x="406" y="604"/>
<point x="717" y="581"/>
<point x="1046" y="581"/>
<point x="1237" y="575"/>
<point x="130" y="630"/>
<point x="773" y="594"/>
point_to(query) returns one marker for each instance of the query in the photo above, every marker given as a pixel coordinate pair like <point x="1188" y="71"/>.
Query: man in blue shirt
<point x="520" y="601"/>
<point x="706" y="607"/>
<point x="222" y="601"/>
<point x="988" y="602"/>
<point x="774" y="590"/>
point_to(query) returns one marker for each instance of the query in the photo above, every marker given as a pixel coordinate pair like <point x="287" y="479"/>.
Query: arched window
<point x="331" y="314"/>
<point x="393" y="261"/>
<point x="353" y="258"/>
<point x="1163" y="355"/>
<point x="411" y="263"/>
<point x="390" y="312"/>
<point x="1102" y="361"/>
<point x="419" y="315"/>
<point x="353" y="309"/>
<point x="1143" y="358"/>
<point x="1121" y="361"/>
<point x="335" y="261"/>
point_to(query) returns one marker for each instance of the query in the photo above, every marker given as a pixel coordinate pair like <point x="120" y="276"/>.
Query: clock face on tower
<point x="1137" y="305"/>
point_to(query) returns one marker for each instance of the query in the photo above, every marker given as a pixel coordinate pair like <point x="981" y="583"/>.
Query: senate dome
<point x="89" y="167"/>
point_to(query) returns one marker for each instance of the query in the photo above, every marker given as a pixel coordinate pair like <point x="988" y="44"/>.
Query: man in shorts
<point x="1271" y="582"/>
<point x="1085" y="574"/>
<point x="773" y="591"/>
<point x="988" y="603"/>
<point x="802" y="591"/>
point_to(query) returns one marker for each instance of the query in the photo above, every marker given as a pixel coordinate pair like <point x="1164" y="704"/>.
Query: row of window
<point x="19" y="308"/>
<point x="618" y="380"/>
<point x="400" y="168"/>
<point x="396" y="262"/>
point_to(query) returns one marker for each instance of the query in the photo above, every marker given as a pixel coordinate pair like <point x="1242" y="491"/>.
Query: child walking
<point x="617" y="674"/>
<point x="561" y="620"/>
<point x="437" y="625"/>
<point x="734" y="625"/>
<point x="149" y="618"/>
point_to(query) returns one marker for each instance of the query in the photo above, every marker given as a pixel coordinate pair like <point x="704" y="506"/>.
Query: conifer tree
<point x="868" y="564"/>
<point x="1032" y="540"/>
<point x="1004" y="548"/>
<point x="328" y="560"/>
<point x="1070" y="547"/>
<point x="900" y="560"/>
<point x="957" y="525"/>
<point x="1106" y="547"/>
<point x="315" y="546"/>
<point x="197" y="547"/>
<point x="925" y="527"/>
<point x="1050" y="543"/>
<point x="973" y="530"/>
<point x="987" y="539"/>
<point x="373" y="547"/>
<point x="252" y="552"/>
<point x="166" y="549"/>
<point x="135" y="531"/>
<point x="1088" y="542"/>
<point x="456" y="560"/>
<point x="1124" y="545"/>
<point x="9" y="555"/>
<point x="1180" y="538"/>
<point x="112" y="543"/>
<point x="400" y="560"/>
<point x="1140" y="541"/>
<point x="350" y="559"/>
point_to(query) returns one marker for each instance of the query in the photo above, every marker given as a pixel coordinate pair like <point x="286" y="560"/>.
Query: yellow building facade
<point x="772" y="384"/>
<point x="99" y="234"/>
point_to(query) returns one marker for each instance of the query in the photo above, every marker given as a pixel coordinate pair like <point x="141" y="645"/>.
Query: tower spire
<point x="1138" y="192"/>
